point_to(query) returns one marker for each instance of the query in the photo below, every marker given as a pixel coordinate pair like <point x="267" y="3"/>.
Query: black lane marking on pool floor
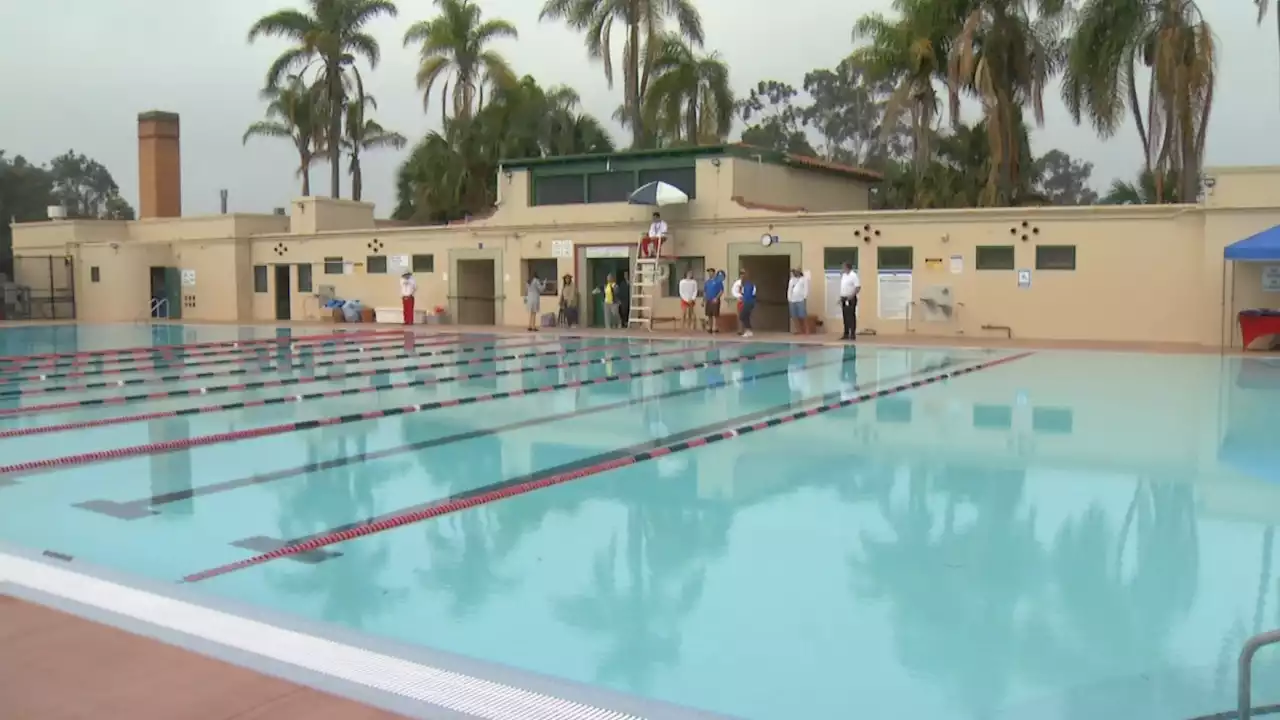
<point x="640" y="451"/>
<point x="264" y="544"/>
<point x="144" y="507"/>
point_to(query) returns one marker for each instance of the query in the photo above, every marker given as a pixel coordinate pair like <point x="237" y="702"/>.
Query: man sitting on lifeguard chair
<point x="651" y="245"/>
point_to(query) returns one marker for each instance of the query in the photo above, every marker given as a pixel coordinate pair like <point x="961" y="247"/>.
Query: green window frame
<point x="895" y="258"/>
<point x="995" y="257"/>
<point x="834" y="258"/>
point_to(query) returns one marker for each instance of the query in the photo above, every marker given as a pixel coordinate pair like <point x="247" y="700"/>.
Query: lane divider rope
<point x="444" y="508"/>
<point x="145" y="349"/>
<point x="280" y="382"/>
<point x="358" y="355"/>
<point x="344" y="460"/>
<point x="228" y="372"/>
<point x="302" y="425"/>
<point x="263" y="402"/>
<point x="259" y="355"/>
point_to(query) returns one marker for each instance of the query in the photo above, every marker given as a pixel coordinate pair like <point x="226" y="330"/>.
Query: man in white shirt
<point x="652" y="245"/>
<point x="797" y="295"/>
<point x="850" y="286"/>
<point x="408" y="287"/>
<point x="688" y="301"/>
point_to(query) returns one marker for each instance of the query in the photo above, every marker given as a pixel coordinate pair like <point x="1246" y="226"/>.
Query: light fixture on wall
<point x="715" y="162"/>
<point x="946" y="238"/>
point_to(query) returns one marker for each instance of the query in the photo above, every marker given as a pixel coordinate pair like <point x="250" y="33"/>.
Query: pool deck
<point x="57" y="666"/>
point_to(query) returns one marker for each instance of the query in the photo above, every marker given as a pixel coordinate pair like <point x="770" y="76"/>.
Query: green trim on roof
<point x="595" y="162"/>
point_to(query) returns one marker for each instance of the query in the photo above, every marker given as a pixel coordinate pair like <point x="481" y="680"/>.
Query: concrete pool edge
<point x="410" y="680"/>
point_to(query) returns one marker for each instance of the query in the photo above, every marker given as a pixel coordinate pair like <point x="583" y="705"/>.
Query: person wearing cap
<point x="797" y="295"/>
<point x="408" y="288"/>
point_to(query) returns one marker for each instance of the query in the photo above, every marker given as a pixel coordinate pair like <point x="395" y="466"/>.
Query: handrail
<point x="160" y="307"/>
<point x="1244" y="683"/>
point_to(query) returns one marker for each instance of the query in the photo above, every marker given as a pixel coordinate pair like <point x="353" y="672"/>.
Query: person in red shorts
<point x="688" y="301"/>
<point x="408" y="288"/>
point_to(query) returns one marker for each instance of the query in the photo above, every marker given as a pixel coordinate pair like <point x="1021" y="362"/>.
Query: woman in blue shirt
<point x="748" y="305"/>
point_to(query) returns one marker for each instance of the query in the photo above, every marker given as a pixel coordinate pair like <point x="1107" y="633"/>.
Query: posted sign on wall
<point x="1271" y="278"/>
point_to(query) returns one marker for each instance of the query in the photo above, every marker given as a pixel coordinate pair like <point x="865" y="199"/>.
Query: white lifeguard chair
<point x="652" y="266"/>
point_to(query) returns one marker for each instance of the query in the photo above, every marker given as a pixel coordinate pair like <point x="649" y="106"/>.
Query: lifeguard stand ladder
<point x="645" y="276"/>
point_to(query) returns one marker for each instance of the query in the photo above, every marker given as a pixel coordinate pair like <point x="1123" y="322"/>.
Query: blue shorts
<point x="797" y="309"/>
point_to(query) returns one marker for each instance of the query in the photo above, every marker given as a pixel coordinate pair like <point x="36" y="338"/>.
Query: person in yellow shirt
<point x="612" y="300"/>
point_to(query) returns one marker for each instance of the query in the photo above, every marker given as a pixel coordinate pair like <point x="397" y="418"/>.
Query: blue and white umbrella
<point x="658" y="193"/>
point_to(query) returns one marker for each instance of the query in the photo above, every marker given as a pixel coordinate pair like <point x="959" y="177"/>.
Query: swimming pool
<point x="680" y="527"/>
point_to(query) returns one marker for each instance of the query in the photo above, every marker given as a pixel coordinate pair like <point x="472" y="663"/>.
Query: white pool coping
<point x="429" y="689"/>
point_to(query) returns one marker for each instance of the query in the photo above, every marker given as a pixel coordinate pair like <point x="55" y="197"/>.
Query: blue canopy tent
<point x="1262" y="247"/>
<point x="1259" y="247"/>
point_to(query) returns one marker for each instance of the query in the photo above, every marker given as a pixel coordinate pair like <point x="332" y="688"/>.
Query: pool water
<point x="759" y="530"/>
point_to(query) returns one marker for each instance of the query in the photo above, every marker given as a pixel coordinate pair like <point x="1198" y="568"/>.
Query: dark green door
<point x="173" y="292"/>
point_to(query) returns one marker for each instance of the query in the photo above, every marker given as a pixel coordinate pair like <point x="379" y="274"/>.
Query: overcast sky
<point x="77" y="72"/>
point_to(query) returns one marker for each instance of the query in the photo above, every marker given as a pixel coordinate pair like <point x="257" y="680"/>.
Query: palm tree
<point x="1144" y="191"/>
<point x="1005" y="54"/>
<point x="363" y="133"/>
<point x="330" y="37"/>
<point x="689" y="98"/>
<point x="293" y="113"/>
<point x="644" y="21"/>
<point x="454" y="41"/>
<point x="907" y="51"/>
<point x="1172" y="40"/>
<point x="1263" y="6"/>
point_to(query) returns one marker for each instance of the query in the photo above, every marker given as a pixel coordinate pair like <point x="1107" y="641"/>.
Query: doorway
<point x="598" y="269"/>
<point x="284" y="297"/>
<point x="771" y="273"/>
<point x="166" y="293"/>
<point x="477" y="298"/>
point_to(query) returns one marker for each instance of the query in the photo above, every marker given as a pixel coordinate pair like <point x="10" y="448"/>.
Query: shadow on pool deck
<point x="58" y="666"/>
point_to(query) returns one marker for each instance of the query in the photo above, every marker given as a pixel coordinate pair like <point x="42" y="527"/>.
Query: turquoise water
<point x="1065" y="535"/>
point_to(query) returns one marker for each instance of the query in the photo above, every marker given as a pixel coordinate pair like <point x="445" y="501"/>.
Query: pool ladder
<point x="1244" y="681"/>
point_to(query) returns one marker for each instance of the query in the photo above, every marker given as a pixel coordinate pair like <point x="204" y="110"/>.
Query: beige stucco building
<point x="1114" y="273"/>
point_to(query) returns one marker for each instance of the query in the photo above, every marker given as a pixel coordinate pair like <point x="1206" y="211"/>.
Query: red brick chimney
<point x="159" y="166"/>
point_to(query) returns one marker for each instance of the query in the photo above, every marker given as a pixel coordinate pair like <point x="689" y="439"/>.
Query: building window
<point x="685" y="178"/>
<point x="1052" y="420"/>
<point x="375" y="265"/>
<point x="994" y="257"/>
<point x="333" y="266"/>
<point x="834" y="258"/>
<point x="546" y="269"/>
<point x="304" y="277"/>
<point x="1055" y="257"/>
<point x="681" y="266"/>
<point x="94" y="274"/>
<point x="559" y="190"/>
<point x="610" y="187"/>
<point x="993" y="417"/>
<point x="894" y="258"/>
<point x="424" y="263"/>
<point x="259" y="278"/>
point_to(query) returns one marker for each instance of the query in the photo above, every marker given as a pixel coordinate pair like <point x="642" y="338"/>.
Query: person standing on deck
<point x="850" y="286"/>
<point x="533" y="300"/>
<point x="624" y="299"/>
<point x="408" y="288"/>
<point x="746" y="305"/>
<point x="688" y="301"/>
<point x="797" y="295"/>
<point x="712" y="290"/>
<point x="610" y="292"/>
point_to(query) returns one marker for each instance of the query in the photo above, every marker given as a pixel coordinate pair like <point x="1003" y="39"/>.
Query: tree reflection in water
<point x="1115" y="598"/>
<point x="329" y="499"/>
<point x="644" y="584"/>
<point x="955" y="588"/>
